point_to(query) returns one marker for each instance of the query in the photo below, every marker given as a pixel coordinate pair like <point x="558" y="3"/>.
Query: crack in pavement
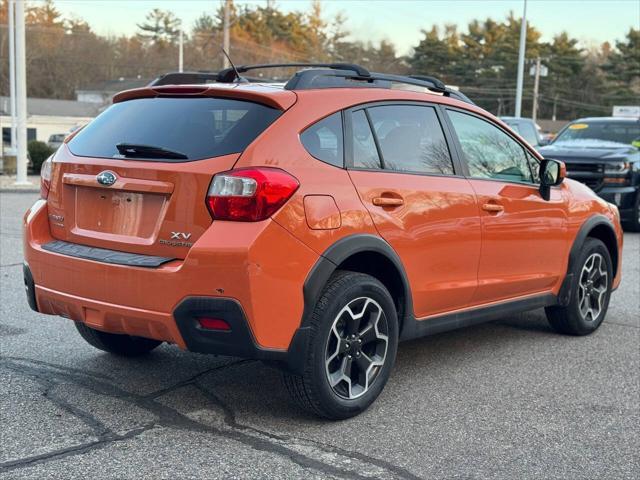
<point x="231" y="421"/>
<point x="11" y="265"/>
<point x="621" y="324"/>
<point x="183" y="383"/>
<point x="74" y="450"/>
<point x="51" y="374"/>
<point x="62" y="368"/>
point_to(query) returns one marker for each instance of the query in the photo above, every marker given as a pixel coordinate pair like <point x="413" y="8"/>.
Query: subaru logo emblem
<point x="106" y="178"/>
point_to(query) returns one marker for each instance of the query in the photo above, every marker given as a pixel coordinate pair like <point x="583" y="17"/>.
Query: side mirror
<point x="552" y="173"/>
<point x="543" y="142"/>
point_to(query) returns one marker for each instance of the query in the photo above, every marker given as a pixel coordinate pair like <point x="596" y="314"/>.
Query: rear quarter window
<point x="324" y="140"/>
<point x="199" y="128"/>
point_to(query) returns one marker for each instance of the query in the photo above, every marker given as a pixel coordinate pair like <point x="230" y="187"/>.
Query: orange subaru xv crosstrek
<point x="312" y="225"/>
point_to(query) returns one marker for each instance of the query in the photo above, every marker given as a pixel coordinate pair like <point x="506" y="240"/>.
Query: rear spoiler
<point x="271" y="96"/>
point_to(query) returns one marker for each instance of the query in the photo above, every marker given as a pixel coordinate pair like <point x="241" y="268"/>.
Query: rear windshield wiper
<point x="148" y="151"/>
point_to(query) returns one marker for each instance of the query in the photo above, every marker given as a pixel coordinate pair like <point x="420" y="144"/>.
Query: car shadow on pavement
<point x="252" y="390"/>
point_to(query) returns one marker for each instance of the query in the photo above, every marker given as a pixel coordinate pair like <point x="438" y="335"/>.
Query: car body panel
<point x="436" y="232"/>
<point x="523" y="245"/>
<point x="148" y="202"/>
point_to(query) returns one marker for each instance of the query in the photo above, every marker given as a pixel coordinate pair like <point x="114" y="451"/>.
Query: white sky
<point x="591" y="21"/>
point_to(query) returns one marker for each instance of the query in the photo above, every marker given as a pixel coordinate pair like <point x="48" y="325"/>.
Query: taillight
<point x="249" y="194"/>
<point x="45" y="178"/>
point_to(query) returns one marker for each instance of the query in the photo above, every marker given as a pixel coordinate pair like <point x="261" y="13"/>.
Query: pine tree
<point x="160" y="29"/>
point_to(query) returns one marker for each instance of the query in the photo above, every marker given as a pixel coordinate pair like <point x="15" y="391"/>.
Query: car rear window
<point x="198" y="128"/>
<point x="526" y="131"/>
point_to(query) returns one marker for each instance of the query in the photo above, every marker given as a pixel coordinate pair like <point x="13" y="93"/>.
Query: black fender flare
<point x="320" y="273"/>
<point x="566" y="290"/>
<point x="338" y="253"/>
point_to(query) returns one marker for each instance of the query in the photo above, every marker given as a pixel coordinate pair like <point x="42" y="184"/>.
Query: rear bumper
<point x="237" y="342"/>
<point x="257" y="266"/>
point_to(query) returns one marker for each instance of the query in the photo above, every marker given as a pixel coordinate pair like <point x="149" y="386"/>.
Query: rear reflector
<point x="214" y="324"/>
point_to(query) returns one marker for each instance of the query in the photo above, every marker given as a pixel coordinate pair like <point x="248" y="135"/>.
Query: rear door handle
<point x="492" y="207"/>
<point x="387" y="202"/>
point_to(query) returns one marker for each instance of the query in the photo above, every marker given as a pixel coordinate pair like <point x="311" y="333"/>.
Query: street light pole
<point x="536" y="85"/>
<point x="523" y="44"/>
<point x="21" y="96"/>
<point x="181" y="51"/>
<point x="12" y="73"/>
<point x="225" y="33"/>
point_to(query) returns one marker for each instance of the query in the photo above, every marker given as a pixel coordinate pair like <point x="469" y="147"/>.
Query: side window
<point x="488" y="151"/>
<point x="365" y="154"/>
<point x="534" y="163"/>
<point x="411" y="139"/>
<point x="324" y="140"/>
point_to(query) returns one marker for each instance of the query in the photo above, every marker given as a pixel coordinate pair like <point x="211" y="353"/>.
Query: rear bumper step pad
<point x="105" y="255"/>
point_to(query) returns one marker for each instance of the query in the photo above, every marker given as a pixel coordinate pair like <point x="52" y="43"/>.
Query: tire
<point x="633" y="224"/>
<point x="123" y="345"/>
<point x="371" y="359"/>
<point x="583" y="316"/>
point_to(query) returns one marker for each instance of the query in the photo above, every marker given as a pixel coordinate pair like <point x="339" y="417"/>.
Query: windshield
<point x="606" y="132"/>
<point x="197" y="128"/>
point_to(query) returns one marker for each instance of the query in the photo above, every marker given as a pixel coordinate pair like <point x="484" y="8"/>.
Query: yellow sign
<point x="578" y="126"/>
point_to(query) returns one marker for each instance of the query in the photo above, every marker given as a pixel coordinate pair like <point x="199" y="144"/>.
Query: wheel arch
<point x="597" y="226"/>
<point x="363" y="253"/>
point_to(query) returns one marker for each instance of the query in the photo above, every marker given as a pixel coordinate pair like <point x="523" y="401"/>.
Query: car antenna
<point x="239" y="79"/>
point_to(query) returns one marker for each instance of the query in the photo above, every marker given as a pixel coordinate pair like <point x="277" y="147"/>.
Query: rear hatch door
<point x="135" y="179"/>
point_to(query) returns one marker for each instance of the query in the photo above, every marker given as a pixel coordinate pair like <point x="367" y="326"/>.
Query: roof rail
<point x="229" y="75"/>
<point x="433" y="80"/>
<point x="318" y="78"/>
<point x="314" y="76"/>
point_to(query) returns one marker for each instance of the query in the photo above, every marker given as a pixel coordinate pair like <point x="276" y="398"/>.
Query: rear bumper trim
<point x="29" y="286"/>
<point x="237" y="342"/>
<point x="104" y="255"/>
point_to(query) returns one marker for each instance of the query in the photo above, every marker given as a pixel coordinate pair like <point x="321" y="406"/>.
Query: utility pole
<point x="523" y="44"/>
<point x="181" y="51"/>
<point x="536" y="83"/>
<point x="21" y="95"/>
<point x="225" y="36"/>
<point x="12" y="73"/>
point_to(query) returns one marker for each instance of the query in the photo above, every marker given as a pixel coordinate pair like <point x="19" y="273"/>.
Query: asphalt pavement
<point x="507" y="399"/>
